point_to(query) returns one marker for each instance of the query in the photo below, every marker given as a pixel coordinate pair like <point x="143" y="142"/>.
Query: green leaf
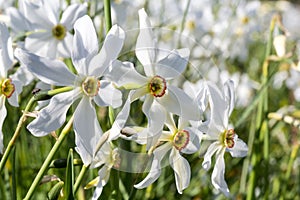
<point x="68" y="189"/>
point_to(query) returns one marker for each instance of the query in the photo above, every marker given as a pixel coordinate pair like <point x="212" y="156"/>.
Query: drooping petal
<point x="71" y="14"/>
<point x="108" y="95"/>
<point x="181" y="169"/>
<point x="176" y="101"/>
<point x="85" y="43"/>
<point x="109" y="52"/>
<point x="217" y="176"/>
<point x="240" y="149"/>
<point x="174" y="64"/>
<point x="53" y="116"/>
<point x="85" y="155"/>
<point x="124" y="74"/>
<point x="229" y="97"/>
<point x="86" y="125"/>
<point x="6" y="51"/>
<point x="146" y="46"/>
<point x="156" y="115"/>
<point x="209" y="153"/>
<point x="49" y="71"/>
<point x="158" y="155"/>
<point x="103" y="173"/>
<point x="3" y="113"/>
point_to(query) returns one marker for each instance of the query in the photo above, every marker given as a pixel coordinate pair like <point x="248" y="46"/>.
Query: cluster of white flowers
<point x="179" y="115"/>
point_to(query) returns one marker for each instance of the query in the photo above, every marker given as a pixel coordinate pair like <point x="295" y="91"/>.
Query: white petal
<point x="3" y="113"/>
<point x="219" y="113"/>
<point x="86" y="157"/>
<point x="146" y="46"/>
<point x="121" y="118"/>
<point x="173" y="65"/>
<point x="65" y="46"/>
<point x="86" y="125"/>
<point x="85" y="43"/>
<point x="13" y="100"/>
<point x="209" y="153"/>
<point x="49" y="71"/>
<point x="108" y="95"/>
<point x="18" y="22"/>
<point x="194" y="141"/>
<point x="217" y="176"/>
<point x="109" y="52"/>
<point x="156" y="116"/>
<point x="176" y="101"/>
<point x="104" y="173"/>
<point x="181" y="169"/>
<point x="71" y="14"/>
<point x="229" y="95"/>
<point x="240" y="149"/>
<point x="23" y="75"/>
<point x="53" y="116"/>
<point x="6" y="51"/>
<point x="155" y="170"/>
<point x="124" y="74"/>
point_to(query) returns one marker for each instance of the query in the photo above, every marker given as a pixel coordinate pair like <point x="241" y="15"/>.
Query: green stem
<point x="79" y="178"/>
<point x="50" y="156"/>
<point x="16" y="134"/>
<point x="107" y="15"/>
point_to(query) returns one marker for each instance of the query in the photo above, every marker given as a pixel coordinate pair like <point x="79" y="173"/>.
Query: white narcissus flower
<point x="49" y="34"/>
<point x="9" y="88"/>
<point x="217" y="130"/>
<point x="160" y="96"/>
<point x="108" y="158"/>
<point x="181" y="139"/>
<point x="87" y="86"/>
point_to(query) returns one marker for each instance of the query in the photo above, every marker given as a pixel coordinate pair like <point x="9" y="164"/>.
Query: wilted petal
<point x="156" y="116"/>
<point x="217" y="176"/>
<point x="49" y="71"/>
<point x="85" y="43"/>
<point x="240" y="149"/>
<point x="3" y="113"/>
<point x="181" y="169"/>
<point x="155" y="170"/>
<point x="108" y="95"/>
<point x="176" y="101"/>
<point x="53" y="116"/>
<point x="145" y="46"/>
<point x="209" y="153"/>
<point x="109" y="52"/>
<point x="124" y="74"/>
<point x="71" y="14"/>
<point x="174" y="64"/>
<point x="86" y="125"/>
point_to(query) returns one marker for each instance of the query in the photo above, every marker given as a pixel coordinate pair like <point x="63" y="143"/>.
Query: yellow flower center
<point x="59" y="31"/>
<point x="90" y="86"/>
<point x="157" y="86"/>
<point x="181" y="139"/>
<point x="227" y="138"/>
<point x="7" y="87"/>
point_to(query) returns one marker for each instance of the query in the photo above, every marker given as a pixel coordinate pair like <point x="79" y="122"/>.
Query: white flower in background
<point x="178" y="140"/>
<point x="9" y="88"/>
<point x="106" y="158"/>
<point x="87" y="86"/>
<point x="223" y="137"/>
<point x="47" y="34"/>
<point x="160" y="96"/>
